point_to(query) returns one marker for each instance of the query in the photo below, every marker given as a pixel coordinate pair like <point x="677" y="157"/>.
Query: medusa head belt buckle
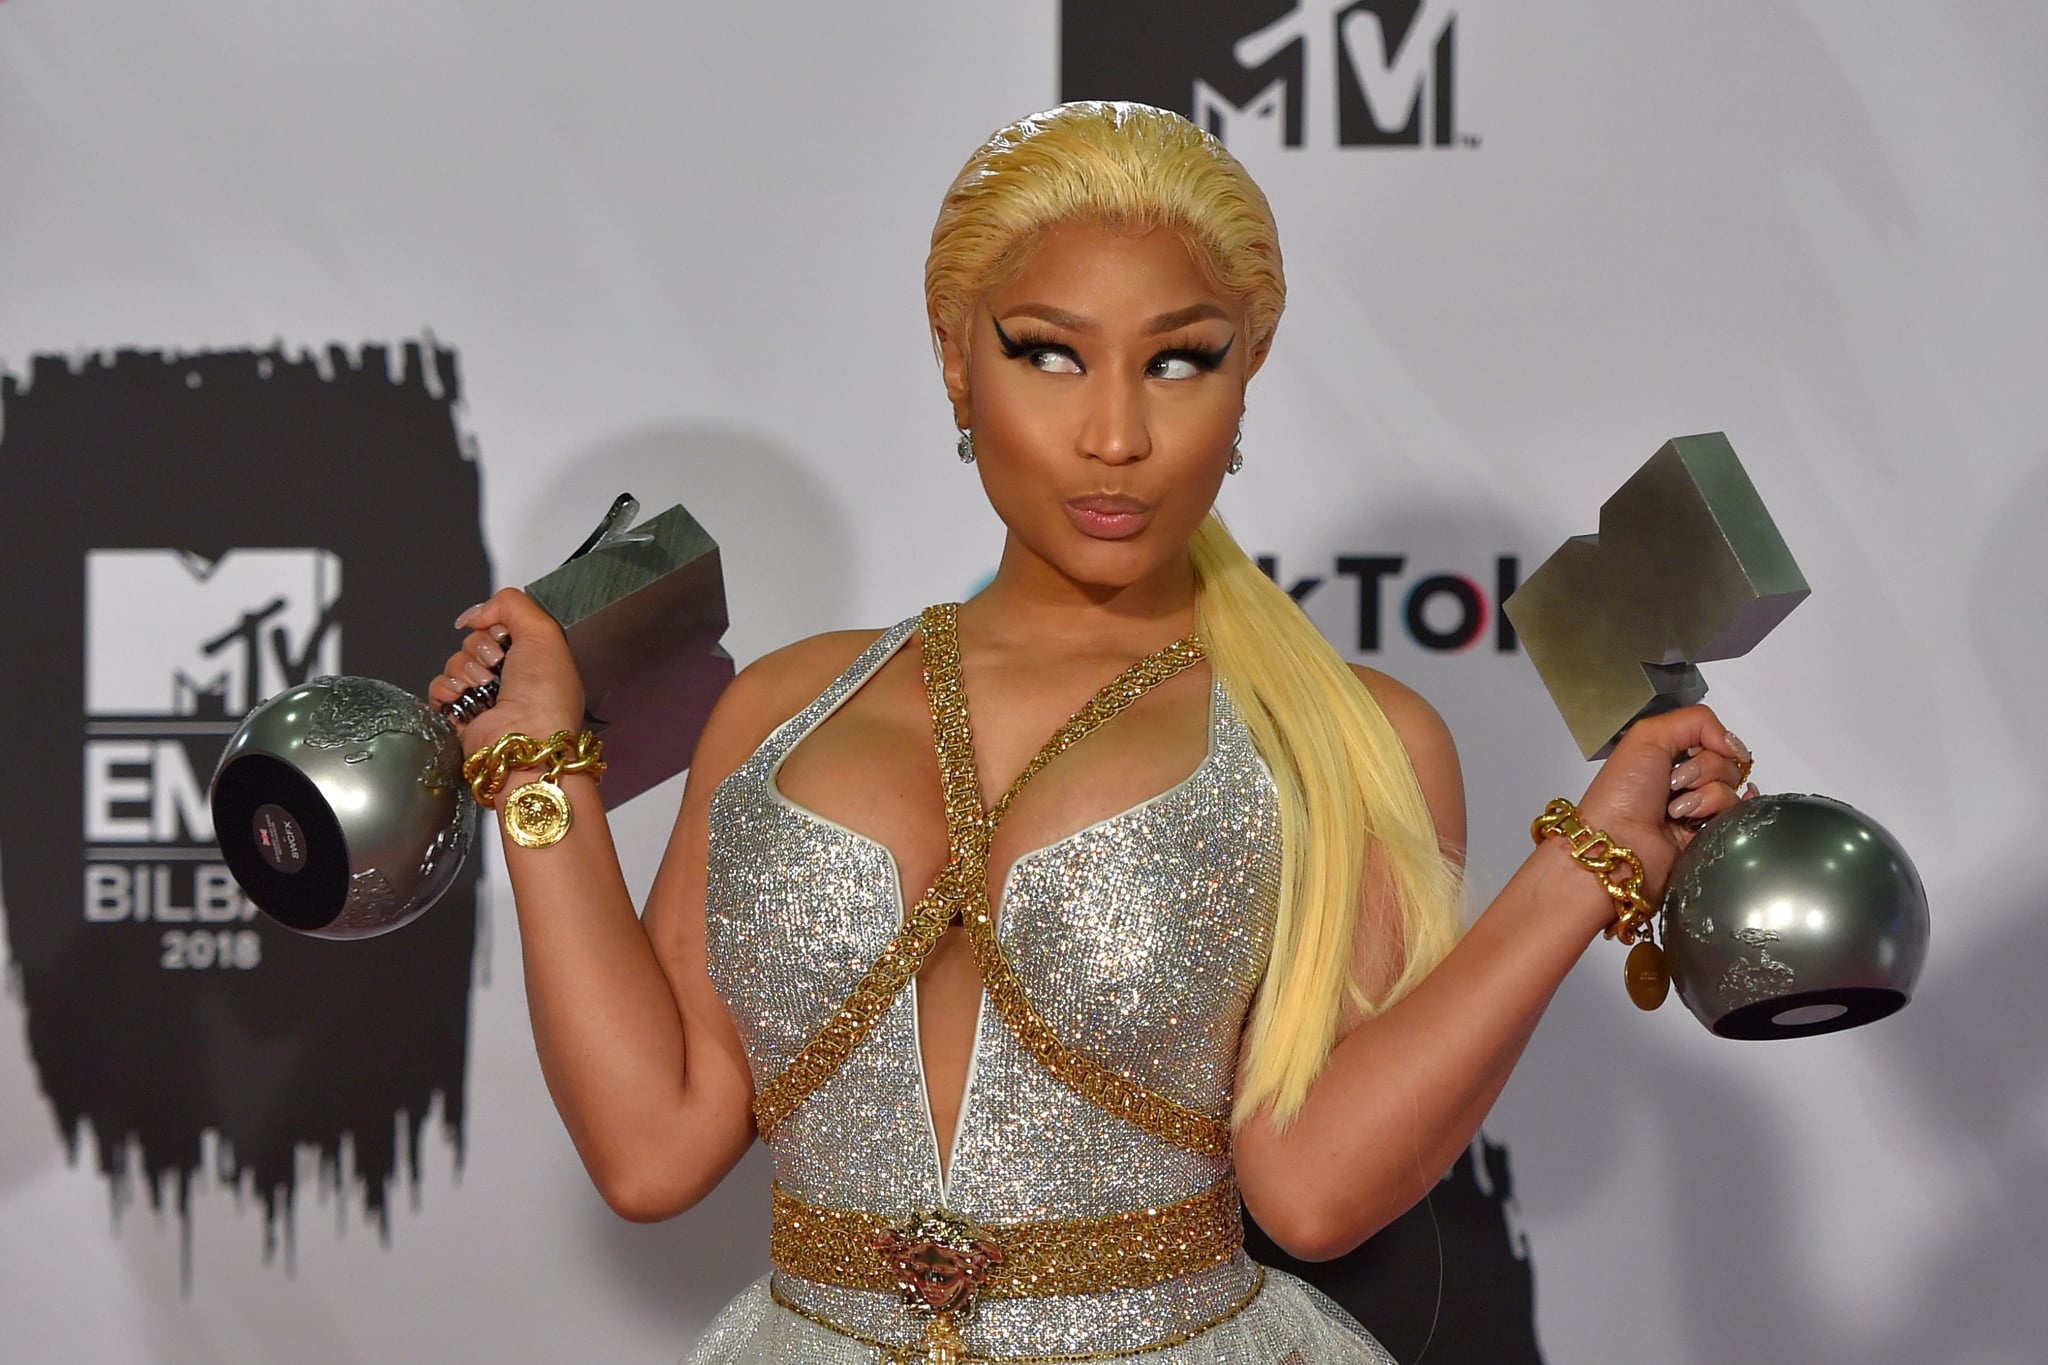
<point x="939" y="1259"/>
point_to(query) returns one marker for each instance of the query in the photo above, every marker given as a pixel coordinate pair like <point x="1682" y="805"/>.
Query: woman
<point x="1200" y="949"/>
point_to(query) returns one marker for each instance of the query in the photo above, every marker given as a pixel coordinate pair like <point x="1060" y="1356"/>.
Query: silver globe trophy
<point x="1788" y="915"/>
<point x="339" y="804"/>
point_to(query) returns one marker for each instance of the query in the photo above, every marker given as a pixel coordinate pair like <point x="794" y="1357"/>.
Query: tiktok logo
<point x="1442" y="612"/>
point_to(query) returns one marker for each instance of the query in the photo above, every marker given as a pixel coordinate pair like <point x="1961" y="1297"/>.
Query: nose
<point x="1115" y="426"/>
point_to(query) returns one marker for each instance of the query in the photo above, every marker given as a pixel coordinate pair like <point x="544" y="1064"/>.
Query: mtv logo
<point x="1270" y="74"/>
<point x="169" y="633"/>
<point x="1261" y="121"/>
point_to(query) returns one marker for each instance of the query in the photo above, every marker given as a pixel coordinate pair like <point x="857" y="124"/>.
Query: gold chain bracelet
<point x="538" y="813"/>
<point x="1620" y="871"/>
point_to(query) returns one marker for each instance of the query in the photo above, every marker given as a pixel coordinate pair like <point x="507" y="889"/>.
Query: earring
<point x="965" y="446"/>
<point x="1236" y="460"/>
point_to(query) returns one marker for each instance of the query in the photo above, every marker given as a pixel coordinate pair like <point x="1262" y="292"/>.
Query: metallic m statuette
<point x="339" y="804"/>
<point x="1788" y="915"/>
<point x="1687" y="567"/>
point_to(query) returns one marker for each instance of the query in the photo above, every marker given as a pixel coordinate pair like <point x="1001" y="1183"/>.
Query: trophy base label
<point x="278" y="838"/>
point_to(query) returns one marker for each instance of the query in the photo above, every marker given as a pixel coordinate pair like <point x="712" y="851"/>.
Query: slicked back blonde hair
<point x="1347" y="792"/>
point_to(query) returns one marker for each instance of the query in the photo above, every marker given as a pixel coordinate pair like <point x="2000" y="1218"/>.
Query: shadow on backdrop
<point x="788" y="553"/>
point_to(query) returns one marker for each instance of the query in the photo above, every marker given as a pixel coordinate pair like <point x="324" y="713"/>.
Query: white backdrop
<point x="677" y="248"/>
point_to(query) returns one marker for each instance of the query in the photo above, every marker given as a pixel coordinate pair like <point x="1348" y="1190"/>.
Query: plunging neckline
<point x="900" y="900"/>
<point x="943" y="1164"/>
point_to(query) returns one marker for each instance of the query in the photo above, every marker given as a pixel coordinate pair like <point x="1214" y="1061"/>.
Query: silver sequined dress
<point x="1140" y="939"/>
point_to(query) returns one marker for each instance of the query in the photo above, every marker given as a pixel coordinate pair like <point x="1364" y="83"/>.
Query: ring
<point x="1742" y="767"/>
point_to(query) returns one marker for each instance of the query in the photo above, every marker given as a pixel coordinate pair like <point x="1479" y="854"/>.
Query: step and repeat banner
<point x="318" y="321"/>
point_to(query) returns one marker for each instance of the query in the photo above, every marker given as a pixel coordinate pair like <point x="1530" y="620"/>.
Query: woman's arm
<point x="637" y="1050"/>
<point x="1403" y="1093"/>
<point x="635" y="1044"/>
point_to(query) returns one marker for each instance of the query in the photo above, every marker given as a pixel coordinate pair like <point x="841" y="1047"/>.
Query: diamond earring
<point x="965" y="446"/>
<point x="1236" y="460"/>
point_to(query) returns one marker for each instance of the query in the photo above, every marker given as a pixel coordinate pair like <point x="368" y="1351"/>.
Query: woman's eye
<point x="1188" y="362"/>
<point x="1053" y="357"/>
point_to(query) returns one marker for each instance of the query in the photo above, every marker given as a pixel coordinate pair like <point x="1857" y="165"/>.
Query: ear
<point x="1256" y="357"/>
<point x="952" y="349"/>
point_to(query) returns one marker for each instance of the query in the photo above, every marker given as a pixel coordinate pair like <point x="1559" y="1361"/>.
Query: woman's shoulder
<point x="773" y="688"/>
<point x="1422" y="732"/>
<point x="1406" y="709"/>
<point x="796" y="673"/>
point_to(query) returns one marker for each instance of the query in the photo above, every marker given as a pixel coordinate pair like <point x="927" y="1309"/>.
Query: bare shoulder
<point x="792" y="675"/>
<point x="1431" y="750"/>
<point x="770" y="690"/>
<point x="1408" y="711"/>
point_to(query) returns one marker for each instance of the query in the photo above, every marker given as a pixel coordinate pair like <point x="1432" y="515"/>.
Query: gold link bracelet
<point x="538" y="814"/>
<point x="1620" y="871"/>
<point x="563" y="752"/>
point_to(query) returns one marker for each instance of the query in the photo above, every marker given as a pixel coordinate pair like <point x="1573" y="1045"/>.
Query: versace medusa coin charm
<point x="537" y="814"/>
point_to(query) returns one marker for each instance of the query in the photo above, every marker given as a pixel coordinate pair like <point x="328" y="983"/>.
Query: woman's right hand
<point x="539" y="690"/>
<point x="1666" y="777"/>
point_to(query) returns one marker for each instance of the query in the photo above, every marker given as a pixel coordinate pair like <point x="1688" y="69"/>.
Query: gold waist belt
<point x="940" y="1261"/>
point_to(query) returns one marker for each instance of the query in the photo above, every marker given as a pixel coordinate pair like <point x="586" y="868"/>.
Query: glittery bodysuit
<point x="1090" y="1164"/>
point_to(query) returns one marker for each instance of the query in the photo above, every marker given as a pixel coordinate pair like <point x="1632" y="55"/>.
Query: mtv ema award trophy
<point x="340" y="804"/>
<point x="1788" y="915"/>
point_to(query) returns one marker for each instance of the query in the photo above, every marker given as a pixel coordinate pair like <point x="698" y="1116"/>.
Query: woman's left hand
<point x="1665" y="778"/>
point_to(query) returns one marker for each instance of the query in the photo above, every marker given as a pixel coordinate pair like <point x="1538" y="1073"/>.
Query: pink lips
<point x="1108" y="516"/>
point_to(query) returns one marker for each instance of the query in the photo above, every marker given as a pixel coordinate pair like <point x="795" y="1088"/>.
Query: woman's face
<point x="1104" y="384"/>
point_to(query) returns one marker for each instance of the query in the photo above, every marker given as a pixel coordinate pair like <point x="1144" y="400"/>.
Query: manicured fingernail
<point x="489" y="653"/>
<point x="1736" y="746"/>
<point x="1685" y="774"/>
<point x="1750" y="791"/>
<point x="502" y="636"/>
<point x="1684" y="805"/>
<point x="478" y="674"/>
<point x="468" y="616"/>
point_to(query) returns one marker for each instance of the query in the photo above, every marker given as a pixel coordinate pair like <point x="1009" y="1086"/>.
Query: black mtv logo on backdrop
<point x="1317" y="73"/>
<point x="214" y="507"/>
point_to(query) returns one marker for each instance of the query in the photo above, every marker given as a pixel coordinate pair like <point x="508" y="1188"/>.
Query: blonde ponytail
<point x="1345" y="784"/>
<point x="1346" y="787"/>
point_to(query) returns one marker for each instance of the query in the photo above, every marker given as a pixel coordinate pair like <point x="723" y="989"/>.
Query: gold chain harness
<point x="938" y="1260"/>
<point x="961" y="891"/>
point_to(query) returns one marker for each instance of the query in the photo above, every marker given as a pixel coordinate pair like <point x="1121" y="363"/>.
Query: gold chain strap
<point x="1620" y="871"/>
<point x="970" y="830"/>
<point x="1182" y="1125"/>
<point x="922" y="1352"/>
<point x="870" y="997"/>
<point x="961" y="888"/>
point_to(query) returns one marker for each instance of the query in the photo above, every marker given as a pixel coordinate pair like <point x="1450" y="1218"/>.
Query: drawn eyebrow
<point x="1076" y="322"/>
<point x="1181" y="317"/>
<point x="1058" y="317"/>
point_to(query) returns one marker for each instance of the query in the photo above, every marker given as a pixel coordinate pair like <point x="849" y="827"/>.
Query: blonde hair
<point x="1347" y="791"/>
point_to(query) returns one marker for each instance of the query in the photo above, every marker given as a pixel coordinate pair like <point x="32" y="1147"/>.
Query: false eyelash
<point x="1016" y="347"/>
<point x="1206" y="361"/>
